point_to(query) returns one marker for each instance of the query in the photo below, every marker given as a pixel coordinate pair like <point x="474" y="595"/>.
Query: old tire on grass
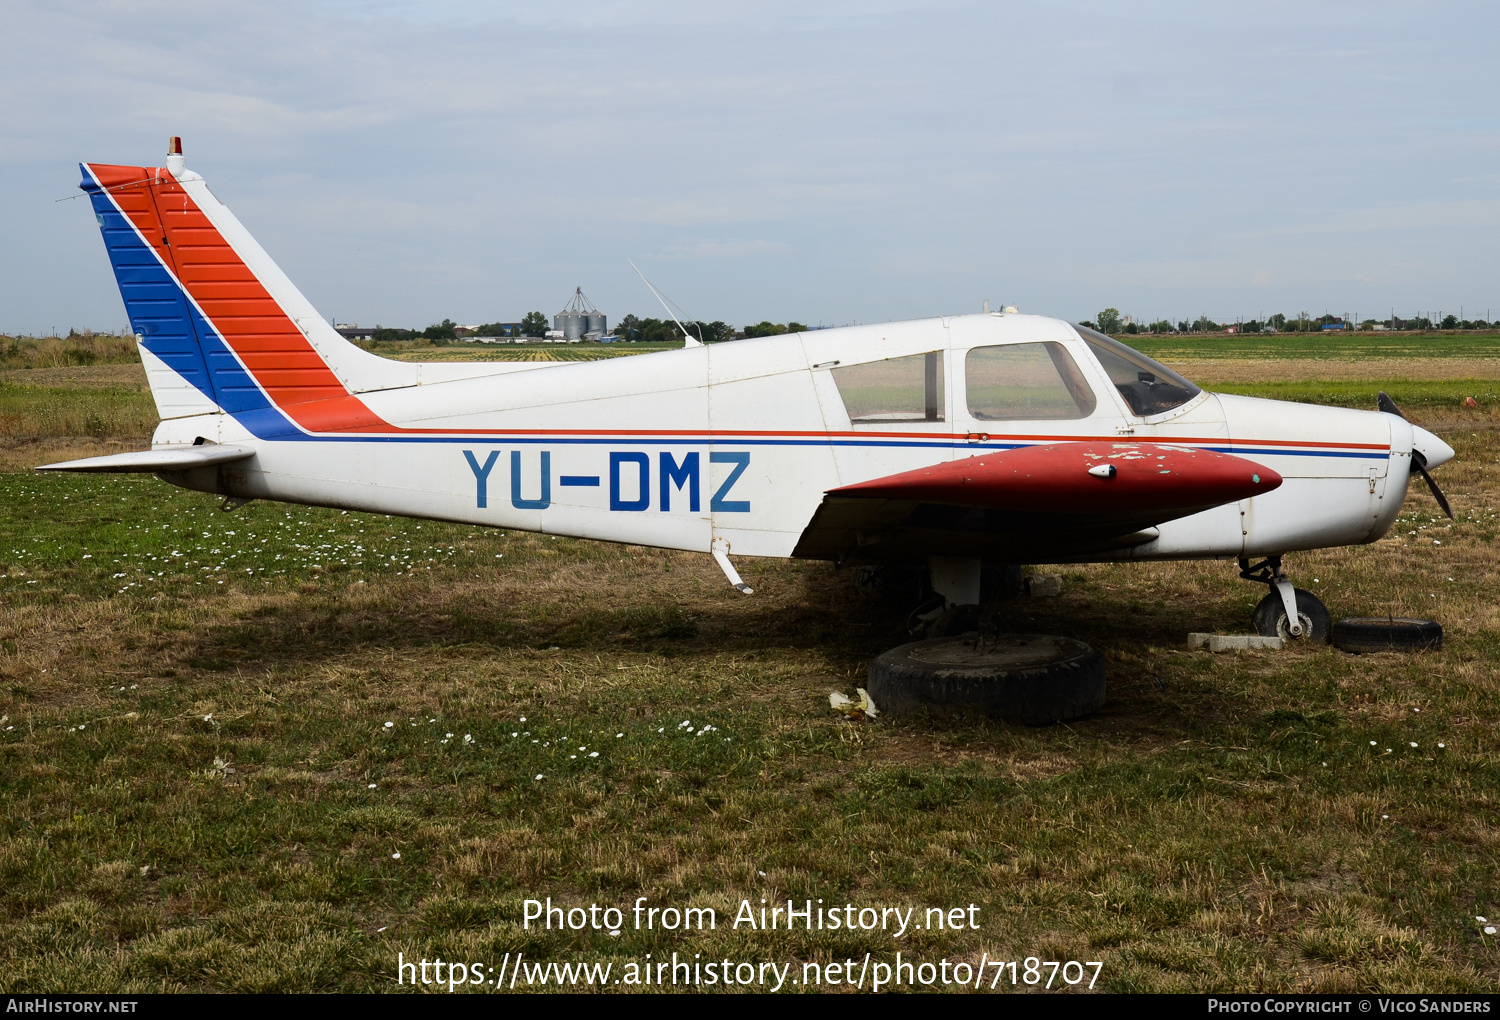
<point x="1386" y="634"/>
<point x="1270" y="618"/>
<point x="1032" y="679"/>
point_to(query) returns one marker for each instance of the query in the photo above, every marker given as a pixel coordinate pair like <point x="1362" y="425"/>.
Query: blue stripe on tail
<point x="171" y="327"/>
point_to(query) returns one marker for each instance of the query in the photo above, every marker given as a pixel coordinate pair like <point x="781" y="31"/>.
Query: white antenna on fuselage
<point x="687" y="339"/>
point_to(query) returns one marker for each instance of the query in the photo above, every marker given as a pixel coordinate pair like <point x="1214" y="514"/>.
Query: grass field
<point x="202" y="791"/>
<point x="1394" y="348"/>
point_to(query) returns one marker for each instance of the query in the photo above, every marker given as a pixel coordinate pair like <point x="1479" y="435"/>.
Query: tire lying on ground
<point x="1032" y="679"/>
<point x="1386" y="634"/>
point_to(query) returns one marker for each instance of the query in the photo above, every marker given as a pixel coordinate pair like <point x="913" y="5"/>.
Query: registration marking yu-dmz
<point x="629" y="478"/>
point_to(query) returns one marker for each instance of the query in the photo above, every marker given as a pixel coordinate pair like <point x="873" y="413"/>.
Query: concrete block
<point x="1044" y="586"/>
<point x="1235" y="642"/>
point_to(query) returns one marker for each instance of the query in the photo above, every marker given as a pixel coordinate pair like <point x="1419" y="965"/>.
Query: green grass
<point x="1357" y="346"/>
<point x="187" y="773"/>
<point x="1415" y="397"/>
<point x="33" y="412"/>
<point x="193" y="709"/>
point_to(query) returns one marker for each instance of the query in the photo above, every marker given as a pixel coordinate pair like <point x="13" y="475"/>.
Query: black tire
<point x="1031" y="679"/>
<point x="1386" y="634"/>
<point x="1270" y="618"/>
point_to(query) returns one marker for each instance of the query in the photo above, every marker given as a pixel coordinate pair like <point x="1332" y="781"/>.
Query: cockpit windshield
<point x="1148" y="386"/>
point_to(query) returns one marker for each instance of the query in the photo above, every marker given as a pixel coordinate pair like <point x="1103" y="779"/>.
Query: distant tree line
<point x="1111" y="321"/>
<point x="630" y="329"/>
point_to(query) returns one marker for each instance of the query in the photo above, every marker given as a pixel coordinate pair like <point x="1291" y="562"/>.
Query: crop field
<point x="270" y="750"/>
<point x="406" y="351"/>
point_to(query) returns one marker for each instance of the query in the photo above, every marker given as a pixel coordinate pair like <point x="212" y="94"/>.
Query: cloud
<point x="407" y="161"/>
<point x="730" y="249"/>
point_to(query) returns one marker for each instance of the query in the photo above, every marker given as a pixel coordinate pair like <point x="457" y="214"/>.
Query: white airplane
<point x="952" y="443"/>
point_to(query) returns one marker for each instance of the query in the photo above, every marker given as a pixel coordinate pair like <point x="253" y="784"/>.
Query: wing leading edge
<point x="1029" y="503"/>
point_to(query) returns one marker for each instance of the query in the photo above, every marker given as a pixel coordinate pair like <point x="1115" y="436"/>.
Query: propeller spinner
<point x="1419" y="459"/>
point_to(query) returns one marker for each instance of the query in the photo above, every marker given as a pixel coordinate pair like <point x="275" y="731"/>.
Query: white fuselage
<point x="739" y="441"/>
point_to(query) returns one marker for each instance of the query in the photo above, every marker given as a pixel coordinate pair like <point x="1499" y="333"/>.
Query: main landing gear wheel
<point x="1032" y="679"/>
<point x="1270" y="617"/>
<point x="1386" y="634"/>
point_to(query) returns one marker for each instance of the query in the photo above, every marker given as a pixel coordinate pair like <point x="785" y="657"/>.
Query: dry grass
<point x="130" y="376"/>
<point x="1225" y="823"/>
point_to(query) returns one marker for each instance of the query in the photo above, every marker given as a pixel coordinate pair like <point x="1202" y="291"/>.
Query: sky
<point x="828" y="162"/>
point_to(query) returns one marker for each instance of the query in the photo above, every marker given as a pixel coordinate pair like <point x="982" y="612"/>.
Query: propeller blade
<point x="1384" y="403"/>
<point x="1420" y="463"/>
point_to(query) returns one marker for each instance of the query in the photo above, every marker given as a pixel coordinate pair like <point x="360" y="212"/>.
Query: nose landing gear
<point x="1286" y="612"/>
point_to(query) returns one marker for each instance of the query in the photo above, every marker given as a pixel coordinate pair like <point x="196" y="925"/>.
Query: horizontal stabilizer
<point x="181" y="458"/>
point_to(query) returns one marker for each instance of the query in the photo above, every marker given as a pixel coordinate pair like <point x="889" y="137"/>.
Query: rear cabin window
<point x="894" y="390"/>
<point x="1026" y="381"/>
<point x="1148" y="386"/>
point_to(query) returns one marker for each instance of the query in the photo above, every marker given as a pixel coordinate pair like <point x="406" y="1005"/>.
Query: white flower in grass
<point x="389" y="725"/>
<point x="1442" y="745"/>
<point x="209" y="717"/>
<point x="372" y="786"/>
<point x="593" y="754"/>
<point x="1413" y="743"/>
<point x="539" y="775"/>
<point x="618" y="735"/>
<point x="523" y="718"/>
<point x="1489" y="929"/>
<point x="396" y="856"/>
<point x="448" y="735"/>
<point x="1482" y="920"/>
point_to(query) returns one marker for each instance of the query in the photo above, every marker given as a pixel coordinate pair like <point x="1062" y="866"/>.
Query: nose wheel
<point x="1286" y="612"/>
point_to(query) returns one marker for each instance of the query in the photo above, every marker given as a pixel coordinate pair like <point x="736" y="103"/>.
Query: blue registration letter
<point x="643" y="493"/>
<point x="673" y="473"/>
<point x="515" y="483"/>
<point x="719" y="504"/>
<point x="482" y="476"/>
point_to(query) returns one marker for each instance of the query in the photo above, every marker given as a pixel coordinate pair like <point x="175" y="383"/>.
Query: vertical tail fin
<point x="220" y="327"/>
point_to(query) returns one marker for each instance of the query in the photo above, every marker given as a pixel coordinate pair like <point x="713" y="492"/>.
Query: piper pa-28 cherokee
<point x="949" y="443"/>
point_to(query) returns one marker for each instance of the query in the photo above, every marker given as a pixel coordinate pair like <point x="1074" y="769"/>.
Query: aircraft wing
<point x="181" y="458"/>
<point x="1028" y="504"/>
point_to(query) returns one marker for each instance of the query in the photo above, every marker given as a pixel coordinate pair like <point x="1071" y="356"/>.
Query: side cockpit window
<point x="1026" y="381"/>
<point x="895" y="390"/>
<point x="1148" y="386"/>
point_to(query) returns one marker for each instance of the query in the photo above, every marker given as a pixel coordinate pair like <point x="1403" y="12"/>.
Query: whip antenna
<point x="687" y="338"/>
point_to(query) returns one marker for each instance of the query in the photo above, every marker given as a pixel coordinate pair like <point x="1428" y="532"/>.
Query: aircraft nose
<point x="1434" y="450"/>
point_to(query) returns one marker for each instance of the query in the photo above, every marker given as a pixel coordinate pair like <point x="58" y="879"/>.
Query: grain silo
<point x="579" y="318"/>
